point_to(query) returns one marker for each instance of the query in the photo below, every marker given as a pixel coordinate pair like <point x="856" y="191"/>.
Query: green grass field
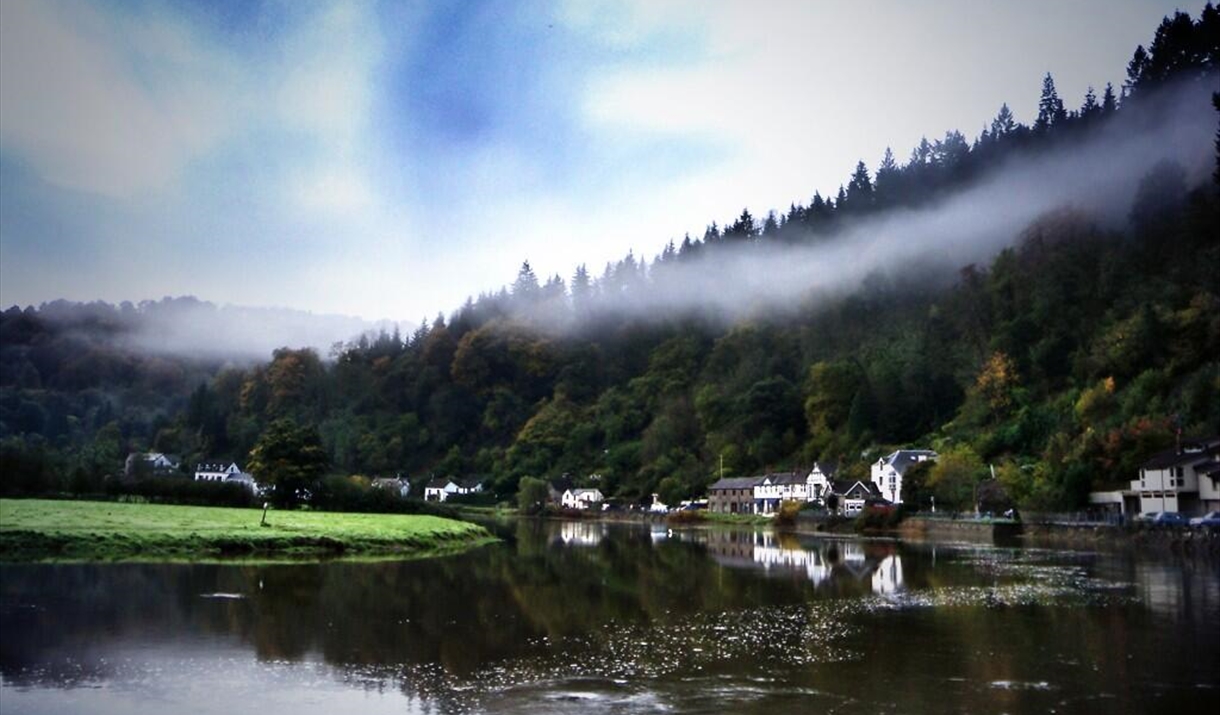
<point x="78" y="530"/>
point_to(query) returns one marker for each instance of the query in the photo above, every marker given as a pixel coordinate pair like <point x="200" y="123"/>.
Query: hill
<point x="1042" y="299"/>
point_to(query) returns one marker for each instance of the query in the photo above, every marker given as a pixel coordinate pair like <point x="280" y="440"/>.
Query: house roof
<point x="1188" y="453"/>
<point x="902" y="459"/>
<point x="828" y="469"/>
<point x="215" y="466"/>
<point x="845" y="486"/>
<point x="735" y="483"/>
<point x="469" y="482"/>
<point x="786" y="478"/>
<point x="438" y="483"/>
<point x="577" y="493"/>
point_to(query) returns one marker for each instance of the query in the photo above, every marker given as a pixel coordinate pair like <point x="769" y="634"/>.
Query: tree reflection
<point x="556" y="599"/>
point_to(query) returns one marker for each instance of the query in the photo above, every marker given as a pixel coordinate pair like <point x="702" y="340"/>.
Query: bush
<point x="179" y="490"/>
<point x="878" y="518"/>
<point x="786" y="516"/>
<point x="487" y="498"/>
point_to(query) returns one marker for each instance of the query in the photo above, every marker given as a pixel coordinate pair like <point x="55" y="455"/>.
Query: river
<point x="595" y="618"/>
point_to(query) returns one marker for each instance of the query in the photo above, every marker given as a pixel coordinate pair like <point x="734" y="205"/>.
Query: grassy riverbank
<point x="33" y="529"/>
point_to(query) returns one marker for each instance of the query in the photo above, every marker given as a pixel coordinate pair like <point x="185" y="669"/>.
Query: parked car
<point x="1147" y="516"/>
<point x="1210" y="519"/>
<point x="1170" y="518"/>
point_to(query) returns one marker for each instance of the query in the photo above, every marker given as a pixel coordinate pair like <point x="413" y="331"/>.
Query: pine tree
<point x="688" y="248"/>
<point x="1109" y="102"/>
<point x="885" y="185"/>
<point x="1004" y="123"/>
<point x="1137" y="68"/>
<point x="526" y="285"/>
<point x="770" y="226"/>
<point x="743" y="229"/>
<point x="1090" y="108"/>
<point x="1050" y="107"/>
<point x="860" y="188"/>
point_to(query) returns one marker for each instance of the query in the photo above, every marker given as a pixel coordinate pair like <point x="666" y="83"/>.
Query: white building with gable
<point x="887" y="472"/>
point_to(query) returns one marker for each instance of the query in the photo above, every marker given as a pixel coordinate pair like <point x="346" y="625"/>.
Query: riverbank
<point x="37" y="530"/>
<point x="1062" y="535"/>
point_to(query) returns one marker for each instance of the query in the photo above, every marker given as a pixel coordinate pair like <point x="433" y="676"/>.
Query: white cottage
<point x="1185" y="479"/>
<point x="581" y="498"/>
<point x="215" y="471"/>
<point x="821" y="480"/>
<point x="773" y="489"/>
<point x="225" y="472"/>
<point x="887" y="472"/>
<point x="442" y="488"/>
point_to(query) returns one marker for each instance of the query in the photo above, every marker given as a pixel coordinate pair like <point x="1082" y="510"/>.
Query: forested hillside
<point x="1062" y="352"/>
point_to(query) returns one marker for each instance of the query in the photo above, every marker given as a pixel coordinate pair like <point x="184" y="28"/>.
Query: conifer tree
<point x="526" y="285"/>
<point x="859" y="188"/>
<point x="743" y="229"/>
<point x="1090" y="108"/>
<point x="1004" y="123"/>
<point x="1136" y="69"/>
<point x="1050" y="107"/>
<point x="1109" y="102"/>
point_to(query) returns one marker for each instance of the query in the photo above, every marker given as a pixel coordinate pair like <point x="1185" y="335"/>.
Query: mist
<point x="190" y="328"/>
<point x="1094" y="179"/>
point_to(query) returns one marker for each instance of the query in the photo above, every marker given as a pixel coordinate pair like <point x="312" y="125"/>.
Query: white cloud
<point x="113" y="107"/>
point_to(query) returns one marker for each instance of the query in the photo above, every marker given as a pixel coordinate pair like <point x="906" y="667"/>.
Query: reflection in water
<point x="582" y="533"/>
<point x="821" y="561"/>
<point x="581" y="616"/>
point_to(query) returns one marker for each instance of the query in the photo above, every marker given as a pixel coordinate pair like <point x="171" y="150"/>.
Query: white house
<point x="215" y="471"/>
<point x="442" y="488"/>
<point x="773" y="489"/>
<point x="395" y="485"/>
<point x="852" y="495"/>
<point x="1184" y="479"/>
<point x="821" y="480"/>
<point x="151" y="462"/>
<point x="581" y="498"/>
<point x="887" y="472"/>
<point x="222" y="472"/>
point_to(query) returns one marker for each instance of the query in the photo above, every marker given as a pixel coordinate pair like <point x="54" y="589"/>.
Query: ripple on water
<point x="738" y="656"/>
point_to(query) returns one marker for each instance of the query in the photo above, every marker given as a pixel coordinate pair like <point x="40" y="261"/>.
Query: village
<point x="1177" y="487"/>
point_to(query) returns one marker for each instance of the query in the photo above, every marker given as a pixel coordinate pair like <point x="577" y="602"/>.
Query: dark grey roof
<point x="783" y="477"/>
<point x="736" y="483"/>
<point x="843" y="486"/>
<point x="438" y="483"/>
<point x="468" y="482"/>
<point x="1189" y="453"/>
<point x="904" y="458"/>
<point x="827" y="468"/>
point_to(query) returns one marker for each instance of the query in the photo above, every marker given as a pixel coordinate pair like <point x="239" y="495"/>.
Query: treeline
<point x="1062" y="363"/>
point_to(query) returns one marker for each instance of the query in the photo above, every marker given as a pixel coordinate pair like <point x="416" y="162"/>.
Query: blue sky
<point x="387" y="160"/>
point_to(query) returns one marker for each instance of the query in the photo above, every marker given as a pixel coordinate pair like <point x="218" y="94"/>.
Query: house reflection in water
<point x="887" y="578"/>
<point x="581" y="533"/>
<point x="823" y="563"/>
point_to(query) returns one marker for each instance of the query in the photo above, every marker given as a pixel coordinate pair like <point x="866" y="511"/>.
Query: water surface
<point x="585" y="617"/>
